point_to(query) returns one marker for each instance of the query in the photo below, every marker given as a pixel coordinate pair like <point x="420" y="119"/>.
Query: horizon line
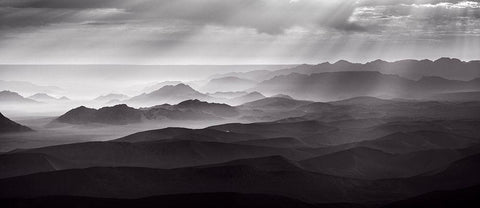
<point x="233" y="64"/>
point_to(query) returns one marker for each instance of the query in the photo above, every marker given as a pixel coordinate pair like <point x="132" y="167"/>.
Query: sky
<point x="196" y="32"/>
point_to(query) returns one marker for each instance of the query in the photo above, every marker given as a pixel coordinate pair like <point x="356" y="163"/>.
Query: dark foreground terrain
<point x="360" y="152"/>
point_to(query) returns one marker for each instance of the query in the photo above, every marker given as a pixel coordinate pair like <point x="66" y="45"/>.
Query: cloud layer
<point x="165" y="27"/>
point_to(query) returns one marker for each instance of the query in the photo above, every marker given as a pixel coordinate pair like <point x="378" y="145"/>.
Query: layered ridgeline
<point x="27" y="88"/>
<point x="123" y="114"/>
<point x="289" y="148"/>
<point x="185" y="161"/>
<point x="275" y="108"/>
<point x="173" y="94"/>
<point x="343" y="85"/>
<point x="406" y="79"/>
<point x="9" y="126"/>
<point x="410" y="79"/>
<point x="447" y="68"/>
<point x="423" y="79"/>
<point x="8" y="97"/>
<point x="43" y="97"/>
<point x="13" y="98"/>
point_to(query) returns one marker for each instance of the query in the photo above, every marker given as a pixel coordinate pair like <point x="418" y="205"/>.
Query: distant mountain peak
<point x="171" y="94"/>
<point x="118" y="114"/>
<point x="340" y="62"/>
<point x="82" y="108"/>
<point x="173" y="90"/>
<point x="180" y="86"/>
<point x="119" y="106"/>
<point x="191" y="102"/>
<point x="8" y="92"/>
<point x="447" y="60"/>
<point x="111" y="96"/>
<point x="13" y="97"/>
<point x="254" y="93"/>
<point x="378" y="61"/>
<point x="42" y="96"/>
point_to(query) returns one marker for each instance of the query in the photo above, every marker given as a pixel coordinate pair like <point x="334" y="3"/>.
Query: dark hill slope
<point x="9" y="126"/>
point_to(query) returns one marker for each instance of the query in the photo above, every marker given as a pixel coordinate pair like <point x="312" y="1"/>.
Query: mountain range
<point x="8" y="97"/>
<point x="379" y="134"/>
<point x="171" y="94"/>
<point x="123" y="114"/>
<point x="43" y="97"/>
<point x="27" y="87"/>
<point x="330" y="86"/>
<point x="356" y="152"/>
<point x="447" y="68"/>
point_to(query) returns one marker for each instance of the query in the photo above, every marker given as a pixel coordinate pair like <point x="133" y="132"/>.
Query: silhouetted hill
<point x="142" y="182"/>
<point x="8" y="97"/>
<point x="228" y="84"/>
<point x="123" y="114"/>
<point x="119" y="114"/>
<point x="211" y="200"/>
<point x="467" y="197"/>
<point x="273" y="176"/>
<point x="168" y="94"/>
<point x="171" y="153"/>
<point x="457" y="96"/>
<point x="419" y="140"/>
<point x="191" y="110"/>
<point x="9" y="126"/>
<point x="367" y="163"/>
<point x="155" y="135"/>
<point x="27" y="163"/>
<point x="213" y="108"/>
<point x="367" y="107"/>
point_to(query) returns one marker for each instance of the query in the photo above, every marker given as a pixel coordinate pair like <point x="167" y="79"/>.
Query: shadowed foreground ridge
<point x="9" y="126"/>
<point x="220" y="200"/>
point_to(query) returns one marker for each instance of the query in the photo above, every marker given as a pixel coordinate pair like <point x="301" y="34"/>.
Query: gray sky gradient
<point x="235" y="31"/>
